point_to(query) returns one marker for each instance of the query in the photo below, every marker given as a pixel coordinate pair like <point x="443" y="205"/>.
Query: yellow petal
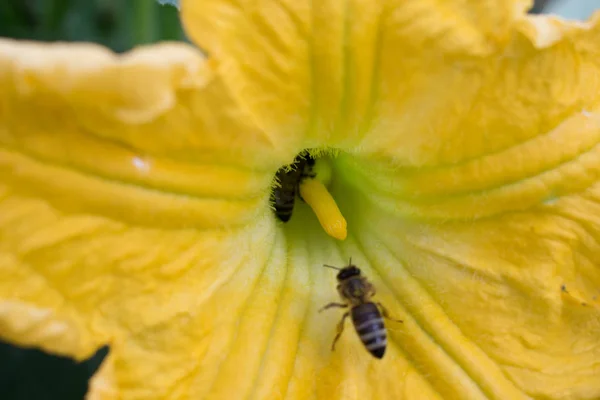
<point x="454" y="113"/>
<point x="478" y="137"/>
<point x="150" y="138"/>
<point x="159" y="298"/>
<point x="320" y="67"/>
<point x="119" y="176"/>
<point x="512" y="299"/>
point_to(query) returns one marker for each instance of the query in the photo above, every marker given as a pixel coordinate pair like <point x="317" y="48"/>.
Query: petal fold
<point x="319" y="71"/>
<point x="150" y="137"/>
<point x="511" y="299"/>
<point x="452" y="112"/>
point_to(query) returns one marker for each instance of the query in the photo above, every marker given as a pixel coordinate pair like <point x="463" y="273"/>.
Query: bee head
<point x="348" y="272"/>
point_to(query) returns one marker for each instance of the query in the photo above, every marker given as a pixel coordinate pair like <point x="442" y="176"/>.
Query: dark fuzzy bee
<point x="356" y="292"/>
<point x="283" y="197"/>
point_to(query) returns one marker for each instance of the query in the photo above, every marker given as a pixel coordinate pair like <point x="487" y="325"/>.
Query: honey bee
<point x="283" y="197"/>
<point x="356" y="292"/>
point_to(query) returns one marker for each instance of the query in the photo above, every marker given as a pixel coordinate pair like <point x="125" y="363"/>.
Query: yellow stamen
<point x="315" y="194"/>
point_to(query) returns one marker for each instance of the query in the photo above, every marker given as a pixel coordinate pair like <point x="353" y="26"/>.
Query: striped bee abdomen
<point x="368" y="323"/>
<point x="283" y="197"/>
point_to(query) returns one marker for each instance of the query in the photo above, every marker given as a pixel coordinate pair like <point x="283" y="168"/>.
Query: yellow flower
<point x="462" y="142"/>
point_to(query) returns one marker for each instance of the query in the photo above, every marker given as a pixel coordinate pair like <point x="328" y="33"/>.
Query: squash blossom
<point x="457" y="163"/>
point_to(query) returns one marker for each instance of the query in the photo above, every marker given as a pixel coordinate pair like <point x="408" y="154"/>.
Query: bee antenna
<point x="331" y="266"/>
<point x="350" y="262"/>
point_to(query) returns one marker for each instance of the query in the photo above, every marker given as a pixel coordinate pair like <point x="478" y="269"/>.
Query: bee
<point x="283" y="197"/>
<point x="356" y="292"/>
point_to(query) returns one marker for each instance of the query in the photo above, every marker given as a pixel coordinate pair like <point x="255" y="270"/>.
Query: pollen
<point x="316" y="195"/>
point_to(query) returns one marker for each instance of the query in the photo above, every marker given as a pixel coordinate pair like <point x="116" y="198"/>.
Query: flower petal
<point x="508" y="304"/>
<point x="151" y="137"/>
<point x="159" y="298"/>
<point x="307" y="68"/>
<point x="482" y="318"/>
<point x="125" y="181"/>
<point x="478" y="137"/>
<point x="456" y="111"/>
<point x="261" y="320"/>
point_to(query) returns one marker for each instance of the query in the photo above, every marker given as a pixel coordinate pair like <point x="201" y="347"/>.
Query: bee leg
<point x="340" y="329"/>
<point x="386" y="314"/>
<point x="331" y="305"/>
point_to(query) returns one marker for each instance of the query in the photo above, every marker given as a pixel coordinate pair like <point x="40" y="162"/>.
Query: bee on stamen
<point x="283" y="196"/>
<point x="356" y="292"/>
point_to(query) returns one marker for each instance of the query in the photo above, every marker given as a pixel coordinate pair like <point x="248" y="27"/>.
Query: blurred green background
<point x="118" y="24"/>
<point x="27" y="374"/>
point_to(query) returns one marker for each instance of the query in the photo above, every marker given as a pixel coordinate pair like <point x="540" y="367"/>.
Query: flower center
<point x="306" y="179"/>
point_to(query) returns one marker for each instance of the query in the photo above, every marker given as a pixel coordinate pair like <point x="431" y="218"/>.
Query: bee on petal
<point x="367" y="317"/>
